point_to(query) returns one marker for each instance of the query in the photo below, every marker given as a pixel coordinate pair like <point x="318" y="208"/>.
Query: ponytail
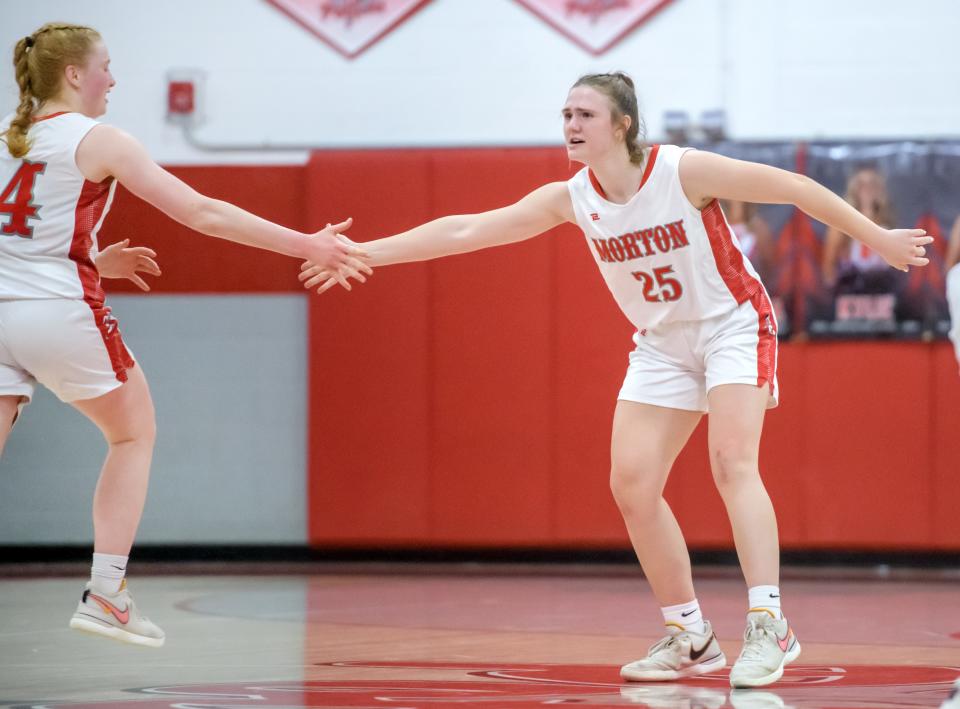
<point x="16" y="134"/>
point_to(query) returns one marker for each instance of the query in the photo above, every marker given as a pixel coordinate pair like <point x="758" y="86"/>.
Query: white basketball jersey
<point x="663" y="259"/>
<point x="50" y="214"/>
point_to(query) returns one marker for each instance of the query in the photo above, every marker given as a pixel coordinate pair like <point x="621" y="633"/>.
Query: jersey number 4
<point x="659" y="288"/>
<point x="17" y="200"/>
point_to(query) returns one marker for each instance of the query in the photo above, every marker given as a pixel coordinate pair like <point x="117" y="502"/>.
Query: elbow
<point x="803" y="184"/>
<point x="798" y="190"/>
<point x="201" y="215"/>
<point x="463" y="233"/>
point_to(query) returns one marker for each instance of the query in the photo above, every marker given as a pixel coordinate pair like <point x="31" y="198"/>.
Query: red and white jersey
<point x="50" y="214"/>
<point x="663" y="259"/>
<point x="865" y="258"/>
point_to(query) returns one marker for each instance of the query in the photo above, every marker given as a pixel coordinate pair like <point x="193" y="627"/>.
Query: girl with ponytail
<point x="705" y="343"/>
<point x="59" y="168"/>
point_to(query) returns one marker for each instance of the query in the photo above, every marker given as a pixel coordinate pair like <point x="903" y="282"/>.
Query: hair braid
<point x="16" y="134"/>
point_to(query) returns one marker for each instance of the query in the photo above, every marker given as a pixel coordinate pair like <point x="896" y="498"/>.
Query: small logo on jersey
<point x="594" y="216"/>
<point x="350" y="26"/>
<point x="643" y="332"/>
<point x="771" y="330"/>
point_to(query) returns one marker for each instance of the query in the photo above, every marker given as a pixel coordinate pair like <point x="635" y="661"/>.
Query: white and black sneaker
<point x="680" y="654"/>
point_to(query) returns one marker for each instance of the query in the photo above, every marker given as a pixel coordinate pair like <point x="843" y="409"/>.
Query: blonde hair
<point x="39" y="60"/>
<point x="618" y="87"/>
<point x="882" y="207"/>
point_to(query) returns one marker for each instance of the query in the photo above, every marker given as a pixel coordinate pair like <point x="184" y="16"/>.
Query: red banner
<point x="594" y="25"/>
<point x="349" y="26"/>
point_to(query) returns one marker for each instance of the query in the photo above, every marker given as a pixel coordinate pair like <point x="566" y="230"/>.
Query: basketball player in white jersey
<point x="705" y="342"/>
<point x="952" y="267"/>
<point x="58" y="171"/>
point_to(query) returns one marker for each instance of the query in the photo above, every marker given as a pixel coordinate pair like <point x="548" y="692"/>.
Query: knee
<point x="636" y="486"/>
<point x="146" y="429"/>
<point x="733" y="466"/>
<point x="140" y="429"/>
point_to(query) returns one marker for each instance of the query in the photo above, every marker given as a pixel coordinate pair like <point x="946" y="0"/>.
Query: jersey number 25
<point x="670" y="289"/>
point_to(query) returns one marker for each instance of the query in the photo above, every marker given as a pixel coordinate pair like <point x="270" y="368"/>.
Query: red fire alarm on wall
<point x="185" y="96"/>
<point x="181" y="98"/>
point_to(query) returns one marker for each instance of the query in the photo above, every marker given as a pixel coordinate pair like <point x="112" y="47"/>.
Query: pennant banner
<point x="594" y="25"/>
<point x="349" y="26"/>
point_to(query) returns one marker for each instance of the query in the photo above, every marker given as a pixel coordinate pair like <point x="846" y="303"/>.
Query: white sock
<point x="686" y="616"/>
<point x="766" y="597"/>
<point x="108" y="571"/>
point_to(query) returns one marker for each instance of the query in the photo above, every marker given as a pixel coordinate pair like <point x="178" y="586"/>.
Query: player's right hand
<point x="903" y="248"/>
<point x="337" y="256"/>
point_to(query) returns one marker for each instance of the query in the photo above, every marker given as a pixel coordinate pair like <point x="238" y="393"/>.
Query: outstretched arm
<point x="539" y="211"/>
<point x="705" y="176"/>
<point x="832" y="245"/>
<point x="107" y="151"/>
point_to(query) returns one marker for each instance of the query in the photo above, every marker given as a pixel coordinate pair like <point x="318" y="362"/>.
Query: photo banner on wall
<point x="350" y="26"/>
<point x="594" y="25"/>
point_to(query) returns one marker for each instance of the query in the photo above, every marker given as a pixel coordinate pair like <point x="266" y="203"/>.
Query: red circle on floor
<point x="493" y="686"/>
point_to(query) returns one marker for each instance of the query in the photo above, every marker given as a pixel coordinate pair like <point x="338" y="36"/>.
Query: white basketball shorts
<point x="73" y="349"/>
<point x="675" y="365"/>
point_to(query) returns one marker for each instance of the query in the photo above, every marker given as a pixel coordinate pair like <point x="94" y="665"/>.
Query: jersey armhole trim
<point x="86" y="132"/>
<point x="697" y="210"/>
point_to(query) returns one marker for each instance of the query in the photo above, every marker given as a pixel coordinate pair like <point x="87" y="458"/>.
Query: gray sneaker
<point x="114" y="615"/>
<point x="768" y="645"/>
<point x="681" y="654"/>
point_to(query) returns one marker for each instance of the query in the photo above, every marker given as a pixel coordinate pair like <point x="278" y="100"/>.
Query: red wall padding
<point x="194" y="263"/>
<point x="468" y="401"/>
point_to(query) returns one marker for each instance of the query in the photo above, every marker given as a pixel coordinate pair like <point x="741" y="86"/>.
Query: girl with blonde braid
<point x="59" y="168"/>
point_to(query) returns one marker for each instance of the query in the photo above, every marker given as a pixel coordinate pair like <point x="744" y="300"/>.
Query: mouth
<point x="573" y="142"/>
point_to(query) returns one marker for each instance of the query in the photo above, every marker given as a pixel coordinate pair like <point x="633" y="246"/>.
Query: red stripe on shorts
<point x="743" y="286"/>
<point x="90" y="206"/>
<point x="767" y="342"/>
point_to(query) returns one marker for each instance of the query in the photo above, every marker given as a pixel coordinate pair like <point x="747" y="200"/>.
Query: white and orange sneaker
<point x="768" y="645"/>
<point x="114" y="615"/>
<point x="681" y="654"/>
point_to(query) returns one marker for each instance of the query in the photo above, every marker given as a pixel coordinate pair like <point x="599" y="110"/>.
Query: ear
<point x="71" y="74"/>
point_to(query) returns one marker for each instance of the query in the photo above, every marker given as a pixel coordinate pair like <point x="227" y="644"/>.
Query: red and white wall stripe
<point x="464" y="402"/>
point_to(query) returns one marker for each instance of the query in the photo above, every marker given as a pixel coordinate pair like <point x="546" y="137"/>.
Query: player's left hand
<point x="120" y="260"/>
<point x="903" y="248"/>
